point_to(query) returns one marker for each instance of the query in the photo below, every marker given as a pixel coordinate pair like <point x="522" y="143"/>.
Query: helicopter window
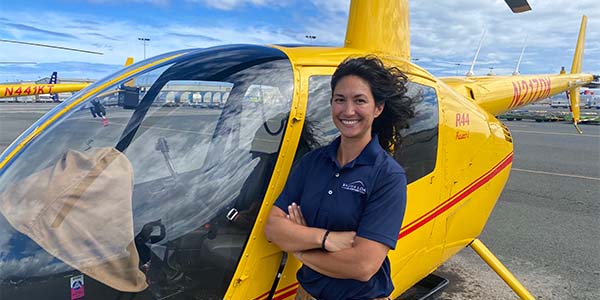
<point x="203" y="172"/>
<point x="96" y="122"/>
<point x="419" y="145"/>
<point x="56" y="181"/>
<point x="203" y="168"/>
<point x="420" y="140"/>
<point x="177" y="176"/>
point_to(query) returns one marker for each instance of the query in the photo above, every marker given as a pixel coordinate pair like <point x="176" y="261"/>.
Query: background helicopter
<point x="189" y="238"/>
<point x="52" y="88"/>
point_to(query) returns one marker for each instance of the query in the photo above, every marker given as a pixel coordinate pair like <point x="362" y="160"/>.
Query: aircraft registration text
<point x="27" y="90"/>
<point x="528" y="91"/>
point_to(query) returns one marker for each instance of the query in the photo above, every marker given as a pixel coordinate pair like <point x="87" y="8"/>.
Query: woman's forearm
<point x="360" y="262"/>
<point x="290" y="236"/>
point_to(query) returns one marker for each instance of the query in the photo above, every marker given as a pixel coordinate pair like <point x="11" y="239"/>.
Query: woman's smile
<point x="353" y="108"/>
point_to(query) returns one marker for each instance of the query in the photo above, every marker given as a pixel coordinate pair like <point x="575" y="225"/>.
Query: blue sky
<point x="444" y="34"/>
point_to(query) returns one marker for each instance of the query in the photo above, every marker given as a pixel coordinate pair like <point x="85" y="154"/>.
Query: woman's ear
<point x="379" y="109"/>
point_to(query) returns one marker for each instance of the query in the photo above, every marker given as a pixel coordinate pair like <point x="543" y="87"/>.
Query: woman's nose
<point x="349" y="108"/>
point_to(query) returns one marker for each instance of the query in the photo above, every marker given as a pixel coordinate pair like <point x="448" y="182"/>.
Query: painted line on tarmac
<point x="554" y="133"/>
<point x="557" y="174"/>
<point x="514" y="125"/>
<point x="23" y="111"/>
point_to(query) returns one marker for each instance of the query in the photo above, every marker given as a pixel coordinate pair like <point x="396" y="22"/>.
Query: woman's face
<point x="353" y="108"/>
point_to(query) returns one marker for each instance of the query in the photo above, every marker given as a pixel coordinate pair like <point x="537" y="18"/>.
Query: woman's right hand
<point x="295" y="214"/>
<point x="339" y="240"/>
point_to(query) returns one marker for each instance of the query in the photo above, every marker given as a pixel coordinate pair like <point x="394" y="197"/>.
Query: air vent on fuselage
<point x="507" y="135"/>
<point x="470" y="93"/>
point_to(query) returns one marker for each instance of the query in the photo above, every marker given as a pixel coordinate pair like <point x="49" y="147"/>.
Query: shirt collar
<point x="368" y="156"/>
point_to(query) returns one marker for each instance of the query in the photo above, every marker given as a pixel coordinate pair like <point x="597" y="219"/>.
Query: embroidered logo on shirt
<point x="355" y="186"/>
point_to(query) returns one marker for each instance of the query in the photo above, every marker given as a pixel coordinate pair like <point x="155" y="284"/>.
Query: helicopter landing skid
<point x="500" y="269"/>
<point x="425" y="289"/>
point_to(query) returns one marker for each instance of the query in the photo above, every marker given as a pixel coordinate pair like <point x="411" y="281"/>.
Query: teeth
<point x="349" y="122"/>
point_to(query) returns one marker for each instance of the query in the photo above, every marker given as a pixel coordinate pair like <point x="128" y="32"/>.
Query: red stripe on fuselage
<point x="456" y="198"/>
<point x="285" y="295"/>
<point x="293" y="288"/>
<point x="449" y="199"/>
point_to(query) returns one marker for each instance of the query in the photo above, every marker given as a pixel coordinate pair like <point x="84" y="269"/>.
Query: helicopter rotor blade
<point x="17" y="63"/>
<point x="51" y="46"/>
<point x="518" y="6"/>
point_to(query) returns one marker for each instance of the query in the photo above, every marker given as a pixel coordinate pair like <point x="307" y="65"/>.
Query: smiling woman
<point x="343" y="204"/>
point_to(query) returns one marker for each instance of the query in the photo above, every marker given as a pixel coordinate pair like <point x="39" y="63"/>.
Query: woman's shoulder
<point x="314" y="155"/>
<point x="390" y="166"/>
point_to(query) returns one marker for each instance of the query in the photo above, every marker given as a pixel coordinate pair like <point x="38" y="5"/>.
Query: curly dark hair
<point x="388" y="86"/>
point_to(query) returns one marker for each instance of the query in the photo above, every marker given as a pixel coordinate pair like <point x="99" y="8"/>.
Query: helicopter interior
<point x="200" y="173"/>
<point x="202" y="252"/>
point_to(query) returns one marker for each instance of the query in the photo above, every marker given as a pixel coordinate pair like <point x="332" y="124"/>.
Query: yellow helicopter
<point x="22" y="90"/>
<point x="167" y="198"/>
<point x="52" y="87"/>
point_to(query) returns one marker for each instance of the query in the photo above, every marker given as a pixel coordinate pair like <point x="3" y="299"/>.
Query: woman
<point x="342" y="207"/>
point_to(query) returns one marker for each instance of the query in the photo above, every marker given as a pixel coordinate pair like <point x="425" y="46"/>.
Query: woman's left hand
<point x="295" y="214"/>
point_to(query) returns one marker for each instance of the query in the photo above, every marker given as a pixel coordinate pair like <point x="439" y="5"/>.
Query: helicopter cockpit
<point x="148" y="187"/>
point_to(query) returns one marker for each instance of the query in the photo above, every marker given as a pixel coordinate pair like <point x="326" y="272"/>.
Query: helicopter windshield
<point x="150" y="185"/>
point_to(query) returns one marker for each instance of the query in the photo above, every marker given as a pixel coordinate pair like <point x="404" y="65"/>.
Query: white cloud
<point x="332" y="6"/>
<point x="329" y="30"/>
<point x="37" y="264"/>
<point x="448" y="31"/>
<point x="119" y="39"/>
<point x="30" y="262"/>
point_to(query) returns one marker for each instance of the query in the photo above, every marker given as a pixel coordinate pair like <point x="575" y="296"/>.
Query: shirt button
<point x="330" y="192"/>
<point x="337" y="174"/>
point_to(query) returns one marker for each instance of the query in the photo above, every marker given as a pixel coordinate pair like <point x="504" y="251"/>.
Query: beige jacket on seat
<point x="79" y="210"/>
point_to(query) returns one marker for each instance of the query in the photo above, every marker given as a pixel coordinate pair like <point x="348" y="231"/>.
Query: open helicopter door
<point x="309" y="127"/>
<point x="264" y="271"/>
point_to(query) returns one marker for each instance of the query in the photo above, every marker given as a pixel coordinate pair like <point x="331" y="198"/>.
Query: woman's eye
<point x="338" y="100"/>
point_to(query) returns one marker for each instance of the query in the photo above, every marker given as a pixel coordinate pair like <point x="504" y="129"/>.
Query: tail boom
<point x="18" y="90"/>
<point x="499" y="94"/>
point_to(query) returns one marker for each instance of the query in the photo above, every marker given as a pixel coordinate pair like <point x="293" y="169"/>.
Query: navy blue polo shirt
<point x="368" y="195"/>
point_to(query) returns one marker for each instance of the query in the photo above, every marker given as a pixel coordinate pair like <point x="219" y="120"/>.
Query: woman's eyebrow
<point x="361" y="95"/>
<point x="353" y="96"/>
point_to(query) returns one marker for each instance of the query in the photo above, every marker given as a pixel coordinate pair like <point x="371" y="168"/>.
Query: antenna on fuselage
<point x="470" y="73"/>
<point x="516" y="72"/>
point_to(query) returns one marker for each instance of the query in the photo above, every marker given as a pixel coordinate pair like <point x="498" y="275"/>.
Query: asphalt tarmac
<point x="545" y="227"/>
<point x="16" y="117"/>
